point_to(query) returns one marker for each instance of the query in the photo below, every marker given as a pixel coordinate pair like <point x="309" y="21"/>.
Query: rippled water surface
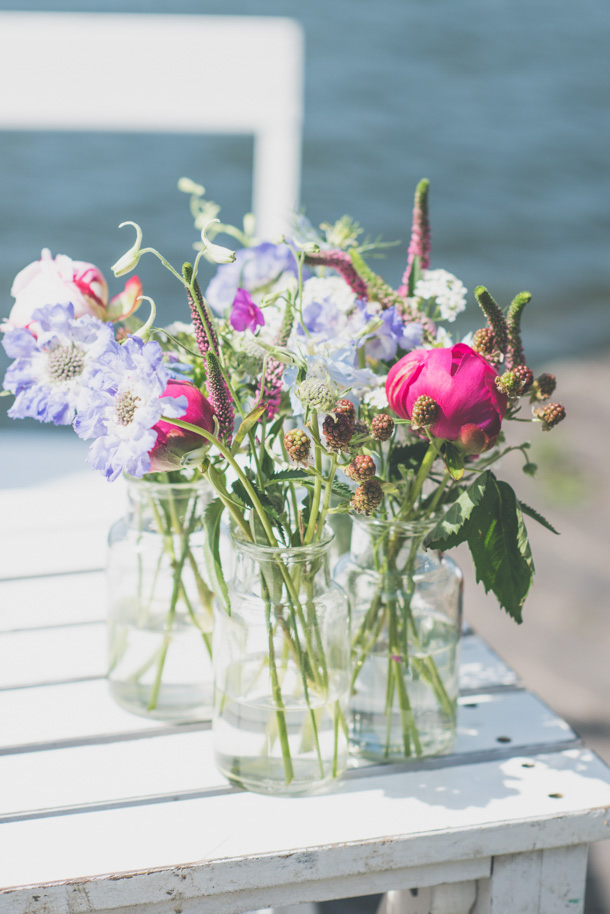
<point x="503" y="104"/>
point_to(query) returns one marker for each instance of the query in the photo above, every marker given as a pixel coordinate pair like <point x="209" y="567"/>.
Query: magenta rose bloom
<point x="462" y="384"/>
<point x="174" y="442"/>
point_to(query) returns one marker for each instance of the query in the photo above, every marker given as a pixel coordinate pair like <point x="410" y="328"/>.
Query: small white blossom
<point x="328" y="289"/>
<point x="445" y="289"/>
<point x="377" y="398"/>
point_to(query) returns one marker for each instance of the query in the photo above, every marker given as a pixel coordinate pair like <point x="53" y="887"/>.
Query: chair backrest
<point x="164" y="73"/>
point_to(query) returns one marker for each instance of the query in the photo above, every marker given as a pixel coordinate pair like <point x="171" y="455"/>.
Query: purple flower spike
<point x="245" y="315"/>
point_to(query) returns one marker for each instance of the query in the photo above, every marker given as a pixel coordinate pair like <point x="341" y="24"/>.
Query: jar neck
<point x="167" y="507"/>
<point x="391" y="545"/>
<point x="286" y="570"/>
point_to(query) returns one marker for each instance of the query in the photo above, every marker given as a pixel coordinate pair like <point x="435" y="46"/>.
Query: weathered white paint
<point x="549" y="881"/>
<point x="190" y="86"/>
<point x="104" y="811"/>
<point x="367" y="826"/>
<point x="457" y="898"/>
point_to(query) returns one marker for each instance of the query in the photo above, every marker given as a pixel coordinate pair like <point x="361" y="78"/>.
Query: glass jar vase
<point x="406" y="619"/>
<point x="281" y="670"/>
<point x="160" y="603"/>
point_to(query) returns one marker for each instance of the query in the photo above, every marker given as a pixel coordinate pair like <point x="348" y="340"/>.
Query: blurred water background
<point x="503" y="104"/>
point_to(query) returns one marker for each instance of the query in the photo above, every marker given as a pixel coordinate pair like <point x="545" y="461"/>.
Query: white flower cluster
<point x="329" y="289"/>
<point x="444" y="288"/>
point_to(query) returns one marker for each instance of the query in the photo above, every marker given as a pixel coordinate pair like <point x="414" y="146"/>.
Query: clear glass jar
<point x="281" y="670"/>
<point x="160" y="603"/>
<point x="406" y="620"/>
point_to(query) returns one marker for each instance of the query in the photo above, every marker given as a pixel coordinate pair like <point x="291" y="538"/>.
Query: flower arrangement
<point x="304" y="387"/>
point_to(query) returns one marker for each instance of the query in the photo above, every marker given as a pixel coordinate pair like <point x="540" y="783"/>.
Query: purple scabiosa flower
<point x="53" y="368"/>
<point x="245" y="315"/>
<point x="254" y="269"/>
<point x="122" y="406"/>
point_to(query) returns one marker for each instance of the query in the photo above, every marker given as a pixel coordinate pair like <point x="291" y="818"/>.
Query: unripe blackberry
<point x="346" y="408"/>
<point x="297" y="445"/>
<point x="509" y="384"/>
<point x="337" y="430"/>
<point x="484" y="342"/>
<point x="382" y="427"/>
<point x="361" y="428"/>
<point x="367" y="497"/>
<point x="543" y="387"/>
<point x="362" y="467"/>
<point x="525" y="376"/>
<point x="424" y="412"/>
<point x="550" y="415"/>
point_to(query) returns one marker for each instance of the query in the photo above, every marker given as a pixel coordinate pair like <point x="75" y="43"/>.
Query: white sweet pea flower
<point x="129" y="260"/>
<point x="215" y="253"/>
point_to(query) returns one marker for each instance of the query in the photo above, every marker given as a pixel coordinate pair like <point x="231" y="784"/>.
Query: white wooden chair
<point x="165" y="73"/>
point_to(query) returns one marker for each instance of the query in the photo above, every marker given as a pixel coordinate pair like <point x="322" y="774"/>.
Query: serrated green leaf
<point x="246" y="424"/>
<point x="452" y="528"/>
<point x="212" y="517"/>
<point x="499" y="546"/>
<point x="453" y="461"/>
<point x="268" y="506"/>
<point x="407" y="455"/>
<point x="531" y="512"/>
<point x="289" y="475"/>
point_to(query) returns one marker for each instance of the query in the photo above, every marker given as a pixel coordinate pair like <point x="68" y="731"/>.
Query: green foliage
<point x="409" y="456"/>
<point x="488" y="517"/>
<point x="212" y="517"/>
<point x="453" y="461"/>
<point x="266" y="502"/>
<point x="247" y="423"/>
<point x="535" y="515"/>
<point x="414" y="275"/>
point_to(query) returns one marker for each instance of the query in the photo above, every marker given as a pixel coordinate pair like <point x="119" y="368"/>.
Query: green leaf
<point x="530" y="468"/>
<point x="499" y="546"/>
<point x="531" y="512"/>
<point x="247" y="423"/>
<point x="268" y="506"/>
<point x="452" y="528"/>
<point x="453" y="461"/>
<point x="289" y="475"/>
<point x="212" y="516"/>
<point x="407" y="455"/>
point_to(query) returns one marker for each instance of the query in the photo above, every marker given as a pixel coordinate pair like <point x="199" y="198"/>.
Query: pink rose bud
<point x="174" y="442"/>
<point x="473" y="439"/>
<point x="58" y="281"/>
<point x="462" y="384"/>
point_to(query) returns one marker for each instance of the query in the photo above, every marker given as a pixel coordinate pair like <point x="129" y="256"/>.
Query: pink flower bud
<point x="174" y="442"/>
<point x="462" y="384"/>
<point x="473" y="439"/>
<point x="57" y="281"/>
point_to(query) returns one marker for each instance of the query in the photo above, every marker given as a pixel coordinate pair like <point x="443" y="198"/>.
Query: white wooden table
<point x="104" y="811"/>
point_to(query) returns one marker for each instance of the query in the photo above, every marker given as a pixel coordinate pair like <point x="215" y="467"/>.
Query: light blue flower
<point x="254" y="269"/>
<point x="52" y="370"/>
<point x="393" y="334"/>
<point x="334" y="360"/>
<point x="123" y="405"/>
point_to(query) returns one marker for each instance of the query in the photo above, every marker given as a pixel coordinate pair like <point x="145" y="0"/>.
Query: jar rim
<point x="135" y="482"/>
<point x="409" y="527"/>
<point x="300" y="552"/>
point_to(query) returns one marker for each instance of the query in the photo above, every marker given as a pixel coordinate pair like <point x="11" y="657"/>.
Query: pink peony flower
<point x="462" y="384"/>
<point x="245" y="315"/>
<point x="58" y="281"/>
<point x="174" y="442"/>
